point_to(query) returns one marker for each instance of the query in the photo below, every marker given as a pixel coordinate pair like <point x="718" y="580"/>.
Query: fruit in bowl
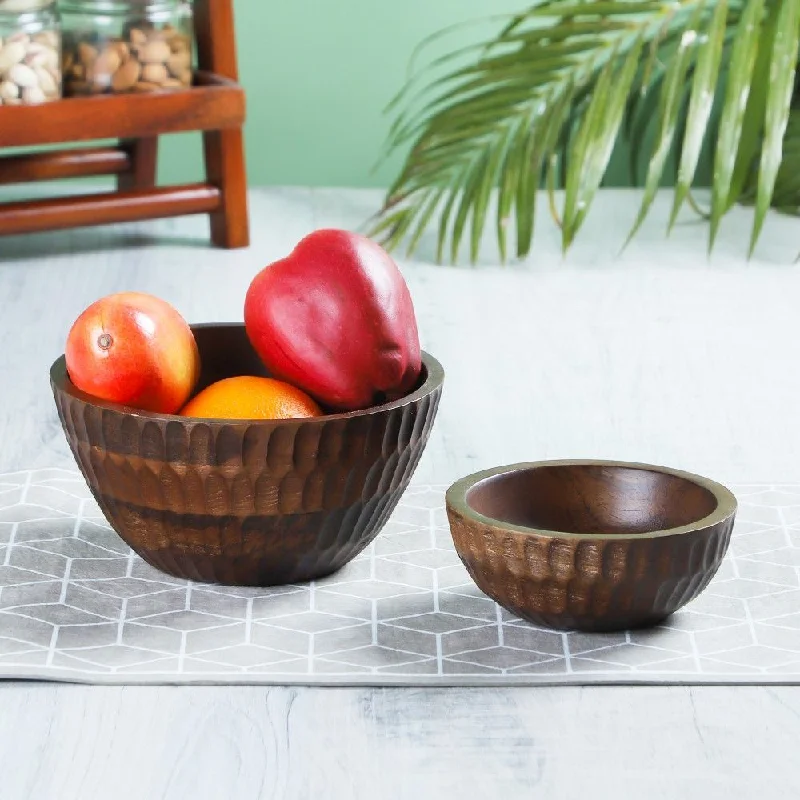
<point x="134" y="349"/>
<point x="333" y="322"/>
<point x="256" y="480"/>
<point x="335" y="318"/>
<point x="245" y="501"/>
<point x="251" y="397"/>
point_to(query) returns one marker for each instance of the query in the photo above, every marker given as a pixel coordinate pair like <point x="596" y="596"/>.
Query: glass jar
<point x="21" y="6"/>
<point x="117" y="47"/>
<point x="30" y="52"/>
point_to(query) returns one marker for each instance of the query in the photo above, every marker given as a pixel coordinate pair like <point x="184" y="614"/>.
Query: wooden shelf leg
<point x="144" y="162"/>
<point x="224" y="149"/>
<point x="225" y="168"/>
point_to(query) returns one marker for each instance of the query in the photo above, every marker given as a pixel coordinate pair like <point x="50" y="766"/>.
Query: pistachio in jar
<point x="126" y="47"/>
<point x="30" y="54"/>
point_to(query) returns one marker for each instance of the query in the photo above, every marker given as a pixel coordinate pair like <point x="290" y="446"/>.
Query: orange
<point x="248" y="397"/>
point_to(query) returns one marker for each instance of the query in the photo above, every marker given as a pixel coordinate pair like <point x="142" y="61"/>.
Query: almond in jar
<point x="130" y="46"/>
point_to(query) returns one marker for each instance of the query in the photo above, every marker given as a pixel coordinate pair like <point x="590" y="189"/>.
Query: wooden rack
<point x="214" y="105"/>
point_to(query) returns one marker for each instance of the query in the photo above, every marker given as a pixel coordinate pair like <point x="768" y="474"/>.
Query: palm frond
<point x="595" y="139"/>
<point x="783" y="63"/>
<point x="744" y="52"/>
<point x="701" y="101"/>
<point x="787" y="182"/>
<point x="670" y="98"/>
<point x="786" y="193"/>
<point x="549" y="96"/>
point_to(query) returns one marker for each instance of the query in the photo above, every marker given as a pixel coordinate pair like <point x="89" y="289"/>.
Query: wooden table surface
<point x="657" y="354"/>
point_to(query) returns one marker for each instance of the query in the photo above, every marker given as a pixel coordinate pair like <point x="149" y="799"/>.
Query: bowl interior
<point x="225" y="352"/>
<point x="592" y="499"/>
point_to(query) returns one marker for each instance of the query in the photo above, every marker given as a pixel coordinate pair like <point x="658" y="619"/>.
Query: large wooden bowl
<point x="590" y="545"/>
<point x="246" y="502"/>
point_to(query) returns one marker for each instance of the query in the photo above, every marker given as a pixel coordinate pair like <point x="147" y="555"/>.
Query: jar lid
<point x="113" y="6"/>
<point x="21" y="6"/>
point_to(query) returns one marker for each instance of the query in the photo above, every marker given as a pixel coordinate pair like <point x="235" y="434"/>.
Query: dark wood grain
<point x="215" y="34"/>
<point x="143" y="154"/>
<point x="55" y="165"/>
<point x="223" y="149"/>
<point x="213" y="103"/>
<point x="592" y="499"/>
<point x="595" y="546"/>
<point x="247" y="502"/>
<point x="107" y="208"/>
<point x="225" y="168"/>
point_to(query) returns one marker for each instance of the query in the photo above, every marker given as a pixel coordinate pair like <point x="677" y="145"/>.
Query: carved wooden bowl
<point x="246" y="502"/>
<point x="590" y="545"/>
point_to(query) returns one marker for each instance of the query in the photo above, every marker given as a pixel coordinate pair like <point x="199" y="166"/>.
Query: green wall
<point x="318" y="74"/>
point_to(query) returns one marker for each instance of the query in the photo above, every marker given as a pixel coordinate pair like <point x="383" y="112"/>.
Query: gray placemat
<point x="77" y="605"/>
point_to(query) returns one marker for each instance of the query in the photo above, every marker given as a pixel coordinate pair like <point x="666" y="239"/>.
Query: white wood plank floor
<point x="658" y="354"/>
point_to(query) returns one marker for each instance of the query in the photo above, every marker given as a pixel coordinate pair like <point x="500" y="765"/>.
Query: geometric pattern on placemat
<point x="77" y="604"/>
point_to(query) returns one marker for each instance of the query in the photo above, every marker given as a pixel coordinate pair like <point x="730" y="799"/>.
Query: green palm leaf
<point x="700" y="104"/>
<point x="668" y="114"/>
<point x="779" y="98"/>
<point x="595" y="140"/>
<point x="743" y="59"/>
<point x="548" y="95"/>
<point x="787" y="181"/>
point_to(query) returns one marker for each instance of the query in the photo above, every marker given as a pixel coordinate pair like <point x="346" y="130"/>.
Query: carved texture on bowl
<point x="247" y="503"/>
<point x="590" y="583"/>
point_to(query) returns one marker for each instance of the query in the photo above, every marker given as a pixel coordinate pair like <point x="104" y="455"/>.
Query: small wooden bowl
<point x="246" y="502"/>
<point x="590" y="545"/>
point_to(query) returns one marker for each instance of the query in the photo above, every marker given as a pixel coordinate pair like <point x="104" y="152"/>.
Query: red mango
<point x="335" y="318"/>
<point x="134" y="349"/>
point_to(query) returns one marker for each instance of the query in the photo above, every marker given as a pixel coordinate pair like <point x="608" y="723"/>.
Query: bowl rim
<point x="59" y="380"/>
<point x="456" y="500"/>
